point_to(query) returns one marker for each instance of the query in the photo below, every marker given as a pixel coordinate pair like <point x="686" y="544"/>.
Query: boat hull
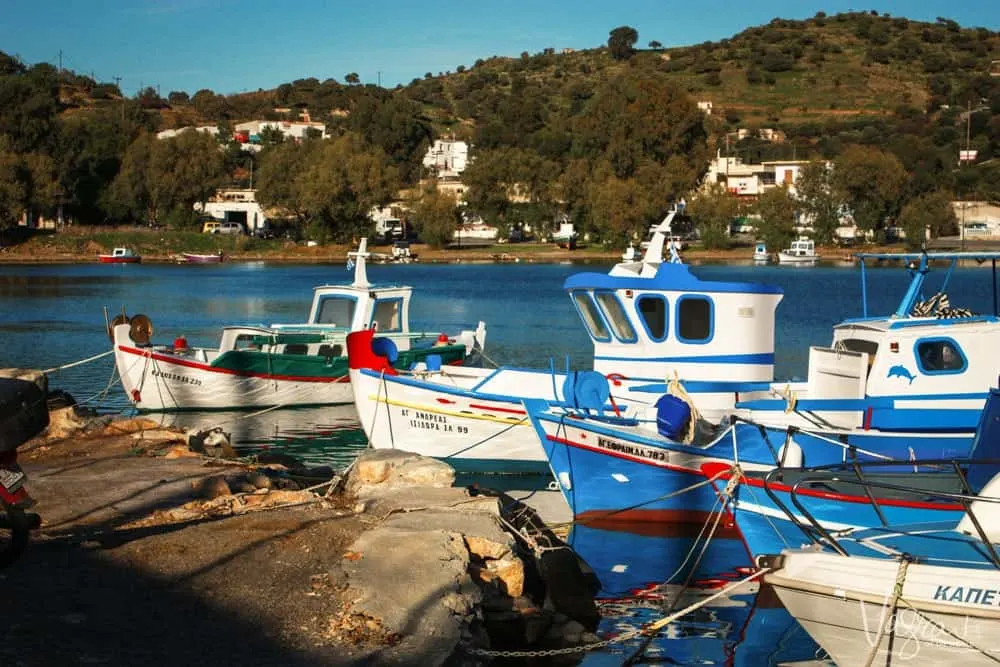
<point x="109" y="259"/>
<point x="768" y="529"/>
<point x="472" y="431"/>
<point x="842" y="602"/>
<point x="158" y="381"/>
<point x="785" y="258"/>
<point x="193" y="258"/>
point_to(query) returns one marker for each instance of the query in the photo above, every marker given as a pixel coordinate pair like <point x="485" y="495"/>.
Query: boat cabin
<point x="927" y="365"/>
<point x="339" y="309"/>
<point x="803" y="247"/>
<point x="652" y="319"/>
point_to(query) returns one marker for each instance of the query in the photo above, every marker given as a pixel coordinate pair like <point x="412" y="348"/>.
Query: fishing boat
<point x="281" y="364"/>
<point x="201" y="258"/>
<point x="120" y="256"/>
<point x="760" y="253"/>
<point x="791" y="506"/>
<point x="801" y="251"/>
<point x="926" y="593"/>
<point x="647" y="319"/>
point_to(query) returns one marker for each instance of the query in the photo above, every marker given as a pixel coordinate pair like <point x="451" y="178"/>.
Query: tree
<point x="655" y="45"/>
<point x="175" y="97"/>
<point x="933" y="212"/>
<point x="777" y="217"/>
<point x="12" y="191"/>
<point x="870" y="182"/>
<point x="436" y="216"/>
<point x="621" y="41"/>
<point x="352" y="78"/>
<point x="713" y="210"/>
<point x="330" y="185"/>
<point x="817" y="202"/>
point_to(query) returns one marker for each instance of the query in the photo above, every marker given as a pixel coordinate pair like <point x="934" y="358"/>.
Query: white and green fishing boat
<point x="282" y="364"/>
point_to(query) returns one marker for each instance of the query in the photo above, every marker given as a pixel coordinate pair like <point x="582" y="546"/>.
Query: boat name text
<point x="175" y="377"/>
<point x="632" y="450"/>
<point x="986" y="596"/>
<point x="432" y="422"/>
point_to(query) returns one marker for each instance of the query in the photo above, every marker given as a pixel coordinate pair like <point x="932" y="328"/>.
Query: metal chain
<point x="655" y="626"/>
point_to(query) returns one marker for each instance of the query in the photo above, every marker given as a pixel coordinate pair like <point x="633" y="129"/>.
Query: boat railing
<point x="826" y="537"/>
<point x="779" y="454"/>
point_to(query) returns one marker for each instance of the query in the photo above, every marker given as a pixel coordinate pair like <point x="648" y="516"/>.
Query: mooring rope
<point x="56" y="369"/>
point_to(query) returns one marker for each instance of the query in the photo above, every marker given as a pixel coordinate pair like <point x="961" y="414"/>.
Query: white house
<point x="170" y="134"/>
<point x="236" y="205"/>
<point x="978" y="219"/>
<point x="448" y="159"/>
<point x="249" y="132"/>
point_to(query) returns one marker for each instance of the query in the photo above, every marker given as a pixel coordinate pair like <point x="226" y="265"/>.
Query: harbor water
<point x="54" y="315"/>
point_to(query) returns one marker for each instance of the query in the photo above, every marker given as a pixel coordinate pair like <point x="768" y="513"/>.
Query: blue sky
<point x="232" y="46"/>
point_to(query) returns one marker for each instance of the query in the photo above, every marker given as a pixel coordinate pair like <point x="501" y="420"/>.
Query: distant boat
<point x="202" y="258"/>
<point x="760" y="253"/>
<point x="802" y="251"/>
<point x="120" y="256"/>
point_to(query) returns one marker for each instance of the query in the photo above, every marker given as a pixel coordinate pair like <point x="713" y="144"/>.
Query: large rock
<point x="393" y="468"/>
<point x="29" y="375"/>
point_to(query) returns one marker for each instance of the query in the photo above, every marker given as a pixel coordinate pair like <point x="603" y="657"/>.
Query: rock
<point x="394" y="469"/>
<point x="213" y="487"/>
<point x="28" y="375"/>
<point x="259" y="480"/>
<point x="180" y="452"/>
<point x="64" y="422"/>
<point x="134" y="425"/>
<point x="484" y="548"/>
<point x="59" y="399"/>
<point x="157" y="437"/>
<point x="510" y="572"/>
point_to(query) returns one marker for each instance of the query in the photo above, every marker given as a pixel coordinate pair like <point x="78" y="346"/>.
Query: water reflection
<point x="329" y="436"/>
<point x="648" y="571"/>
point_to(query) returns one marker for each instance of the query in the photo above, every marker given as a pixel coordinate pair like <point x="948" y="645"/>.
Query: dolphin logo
<point x="901" y="372"/>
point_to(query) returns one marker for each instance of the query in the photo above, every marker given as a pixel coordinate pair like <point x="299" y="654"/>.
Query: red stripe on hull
<point x="658" y="516"/>
<point x="513" y="411"/>
<point x="712" y="469"/>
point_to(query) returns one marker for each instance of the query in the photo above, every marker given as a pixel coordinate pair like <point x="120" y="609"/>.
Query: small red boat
<point x="120" y="256"/>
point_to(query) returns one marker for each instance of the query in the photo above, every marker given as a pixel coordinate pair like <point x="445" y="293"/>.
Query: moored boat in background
<point x="120" y="256"/>
<point x="281" y="364"/>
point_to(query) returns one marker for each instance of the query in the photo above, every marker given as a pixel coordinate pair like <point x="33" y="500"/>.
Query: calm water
<point x="51" y="315"/>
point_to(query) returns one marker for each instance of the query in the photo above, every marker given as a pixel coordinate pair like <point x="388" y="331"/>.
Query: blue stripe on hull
<point x="629" y="490"/>
<point x="818" y="451"/>
<point x="769" y="534"/>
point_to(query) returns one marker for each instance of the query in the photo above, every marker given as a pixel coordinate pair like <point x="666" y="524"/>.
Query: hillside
<point x="607" y="137"/>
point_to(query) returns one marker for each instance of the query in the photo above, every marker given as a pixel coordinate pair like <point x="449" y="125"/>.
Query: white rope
<point x="78" y="363"/>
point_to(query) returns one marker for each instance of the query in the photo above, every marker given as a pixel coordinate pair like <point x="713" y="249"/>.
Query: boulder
<point x="393" y="468"/>
<point x="65" y="422"/>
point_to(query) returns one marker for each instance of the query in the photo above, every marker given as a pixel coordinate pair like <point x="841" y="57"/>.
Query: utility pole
<point x="60" y="60"/>
<point x="380" y="78"/>
<point x="118" y="82"/>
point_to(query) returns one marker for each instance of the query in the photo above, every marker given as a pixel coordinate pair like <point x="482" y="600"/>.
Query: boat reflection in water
<point x="648" y="571"/>
<point x="322" y="436"/>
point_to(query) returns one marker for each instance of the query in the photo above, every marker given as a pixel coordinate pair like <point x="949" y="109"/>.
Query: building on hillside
<point x="170" y="134"/>
<point x="749" y="181"/>
<point x="977" y="219"/>
<point x="447" y="159"/>
<point x="249" y="132"/>
<point x="236" y="205"/>
<point x="706" y="107"/>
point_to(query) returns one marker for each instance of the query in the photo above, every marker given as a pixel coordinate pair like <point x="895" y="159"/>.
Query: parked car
<point x="222" y="228"/>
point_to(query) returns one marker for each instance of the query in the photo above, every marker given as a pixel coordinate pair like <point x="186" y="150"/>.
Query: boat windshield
<point x="336" y="310"/>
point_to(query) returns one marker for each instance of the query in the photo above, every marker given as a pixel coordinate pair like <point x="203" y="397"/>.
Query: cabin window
<point x="858" y="345"/>
<point x="695" y="319"/>
<point x="388" y="315"/>
<point x="616" y="316"/>
<point x="591" y="316"/>
<point x="654" y="315"/>
<point x="245" y="342"/>
<point x="336" y="310"/>
<point x="940" y="356"/>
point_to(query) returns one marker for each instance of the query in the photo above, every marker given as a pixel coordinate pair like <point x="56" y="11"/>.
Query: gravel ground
<point x="94" y="588"/>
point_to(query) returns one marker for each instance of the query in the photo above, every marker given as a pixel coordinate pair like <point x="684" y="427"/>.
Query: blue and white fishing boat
<point x="760" y="253"/>
<point x="788" y="507"/>
<point x="926" y="593"/>
<point x="648" y="319"/>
